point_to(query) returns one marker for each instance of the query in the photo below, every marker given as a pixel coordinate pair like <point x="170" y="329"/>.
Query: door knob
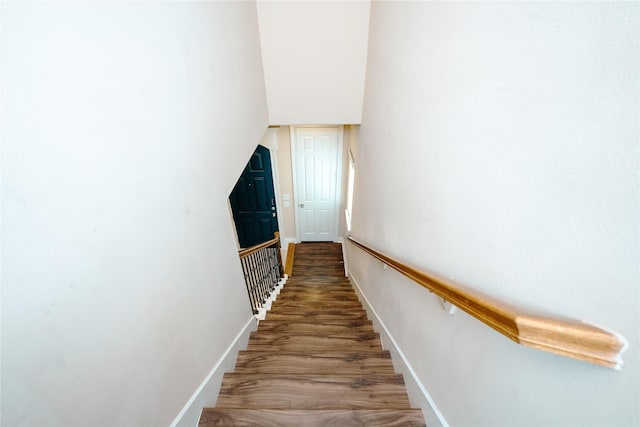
<point x="302" y="205"/>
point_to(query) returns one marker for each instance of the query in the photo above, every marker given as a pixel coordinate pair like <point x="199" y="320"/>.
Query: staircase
<point x="316" y="360"/>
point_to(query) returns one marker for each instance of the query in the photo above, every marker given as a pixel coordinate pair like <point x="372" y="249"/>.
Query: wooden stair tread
<point x="308" y="279"/>
<point x="319" y="294"/>
<point x="344" y="321"/>
<point x="320" y="289"/>
<point x="318" y="271"/>
<point x="317" y="288"/>
<point x="360" y="362"/>
<point x="316" y="360"/>
<point x="311" y="418"/>
<point x="319" y="333"/>
<point x="315" y="309"/>
<point x="317" y="304"/>
<point x="304" y="391"/>
<point x="321" y="302"/>
<point x="315" y="281"/>
<point x="304" y="343"/>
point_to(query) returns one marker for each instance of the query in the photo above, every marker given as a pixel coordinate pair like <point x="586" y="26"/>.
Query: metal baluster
<point x="269" y="266"/>
<point x="275" y="271"/>
<point x="247" y="281"/>
<point x="254" y="281"/>
<point x="264" y="279"/>
<point x="258" y="273"/>
<point x="262" y="270"/>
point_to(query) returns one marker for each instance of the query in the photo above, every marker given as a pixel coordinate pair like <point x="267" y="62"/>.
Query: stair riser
<point x="316" y="316"/>
<point x="265" y="337"/>
<point x="303" y="294"/>
<point x="291" y="328"/>
<point x="314" y="345"/>
<point x="324" y="285"/>
<point x="354" y="323"/>
<point x="342" y="418"/>
<point x="310" y="300"/>
<point x="318" y="306"/>
<point x="331" y="275"/>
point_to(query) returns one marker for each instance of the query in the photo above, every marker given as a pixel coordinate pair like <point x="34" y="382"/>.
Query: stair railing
<point x="263" y="274"/>
<point x="566" y="337"/>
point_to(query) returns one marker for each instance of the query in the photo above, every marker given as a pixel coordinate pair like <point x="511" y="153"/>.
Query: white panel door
<point x="316" y="162"/>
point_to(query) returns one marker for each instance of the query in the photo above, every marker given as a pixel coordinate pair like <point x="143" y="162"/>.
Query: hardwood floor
<point x="315" y="360"/>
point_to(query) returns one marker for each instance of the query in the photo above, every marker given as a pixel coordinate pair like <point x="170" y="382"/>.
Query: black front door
<point x="253" y="201"/>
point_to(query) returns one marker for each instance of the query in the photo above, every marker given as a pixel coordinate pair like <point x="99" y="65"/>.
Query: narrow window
<point x="352" y="173"/>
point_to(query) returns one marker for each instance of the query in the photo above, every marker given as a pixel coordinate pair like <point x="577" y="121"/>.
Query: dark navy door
<point x="253" y="201"/>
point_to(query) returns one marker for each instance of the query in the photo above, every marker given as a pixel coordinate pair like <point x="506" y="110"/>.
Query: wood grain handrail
<point x="566" y="337"/>
<point x="248" y="251"/>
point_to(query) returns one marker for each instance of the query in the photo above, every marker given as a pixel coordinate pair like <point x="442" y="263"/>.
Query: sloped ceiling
<point x="314" y="57"/>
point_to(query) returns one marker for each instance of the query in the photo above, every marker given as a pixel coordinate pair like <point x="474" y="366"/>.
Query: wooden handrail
<point x="248" y="251"/>
<point x="566" y="337"/>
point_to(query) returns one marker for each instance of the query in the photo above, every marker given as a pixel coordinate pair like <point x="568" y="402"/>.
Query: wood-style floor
<point x="315" y="360"/>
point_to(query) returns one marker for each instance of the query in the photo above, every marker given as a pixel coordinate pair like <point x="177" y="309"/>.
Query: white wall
<point x="285" y="184"/>
<point x="125" y="126"/>
<point x="499" y="147"/>
<point x="314" y="55"/>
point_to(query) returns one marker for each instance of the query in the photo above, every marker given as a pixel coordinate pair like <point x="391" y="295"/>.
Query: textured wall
<point x="314" y="55"/>
<point x="125" y="125"/>
<point x="499" y="147"/>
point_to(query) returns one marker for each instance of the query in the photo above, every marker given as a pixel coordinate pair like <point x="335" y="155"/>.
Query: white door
<point x="317" y="159"/>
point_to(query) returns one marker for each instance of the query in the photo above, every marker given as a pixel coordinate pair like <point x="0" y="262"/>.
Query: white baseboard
<point x="418" y="394"/>
<point x="207" y="393"/>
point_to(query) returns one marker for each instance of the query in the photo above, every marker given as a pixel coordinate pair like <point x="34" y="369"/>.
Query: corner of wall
<point x="207" y="393"/>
